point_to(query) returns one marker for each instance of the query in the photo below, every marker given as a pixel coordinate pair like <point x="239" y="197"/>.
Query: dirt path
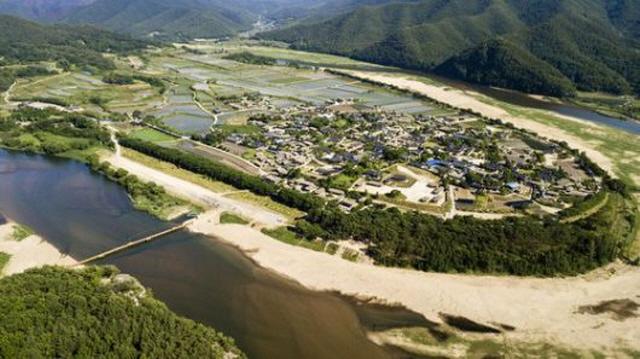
<point x="7" y="95"/>
<point x="588" y="213"/>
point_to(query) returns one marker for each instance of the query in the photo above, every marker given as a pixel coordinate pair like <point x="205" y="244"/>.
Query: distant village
<point x="439" y="164"/>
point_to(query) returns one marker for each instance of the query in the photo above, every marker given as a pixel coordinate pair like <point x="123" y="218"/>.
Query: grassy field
<point x="311" y="58"/>
<point x="285" y="235"/>
<point x="610" y="105"/>
<point x="4" y="259"/>
<point x="231" y="218"/>
<point x="151" y="135"/>
<point x="88" y="91"/>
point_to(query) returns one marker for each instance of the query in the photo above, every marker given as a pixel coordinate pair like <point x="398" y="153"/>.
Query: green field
<point x="231" y="218"/>
<point x="285" y="235"/>
<point x="151" y="135"/>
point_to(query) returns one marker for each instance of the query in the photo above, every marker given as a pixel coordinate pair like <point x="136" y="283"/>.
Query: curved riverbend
<point x="270" y="317"/>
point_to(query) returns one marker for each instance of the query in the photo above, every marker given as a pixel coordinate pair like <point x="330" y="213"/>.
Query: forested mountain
<point x="592" y="44"/>
<point x="25" y="41"/>
<point x="46" y="10"/>
<point x="93" y="313"/>
<point x="169" y="19"/>
<point x="306" y="11"/>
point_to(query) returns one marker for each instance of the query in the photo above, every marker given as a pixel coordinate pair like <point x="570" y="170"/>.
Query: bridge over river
<point x="133" y="243"/>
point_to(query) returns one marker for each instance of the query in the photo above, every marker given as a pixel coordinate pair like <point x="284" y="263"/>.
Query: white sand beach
<point x="539" y="309"/>
<point x="28" y="253"/>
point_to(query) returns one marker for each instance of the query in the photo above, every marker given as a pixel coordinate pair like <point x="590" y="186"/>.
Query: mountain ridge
<point x="592" y="43"/>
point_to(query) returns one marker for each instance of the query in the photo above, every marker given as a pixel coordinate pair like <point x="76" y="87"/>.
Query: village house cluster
<point x="358" y="157"/>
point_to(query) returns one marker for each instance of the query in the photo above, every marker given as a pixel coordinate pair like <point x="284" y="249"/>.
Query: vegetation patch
<point x="249" y="58"/>
<point x="94" y="312"/>
<point x="151" y="135"/>
<point x="146" y="196"/>
<point x="4" y="259"/>
<point x="283" y="234"/>
<point x="231" y="218"/>
<point x="21" y="232"/>
<point x="350" y="254"/>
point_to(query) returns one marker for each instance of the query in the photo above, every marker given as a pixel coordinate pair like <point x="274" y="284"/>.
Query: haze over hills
<point x="172" y="19"/>
<point x="43" y="10"/>
<point x="546" y="46"/>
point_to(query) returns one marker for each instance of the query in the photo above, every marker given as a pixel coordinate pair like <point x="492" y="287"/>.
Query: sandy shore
<point x="540" y="309"/>
<point x="196" y="193"/>
<point x="467" y="100"/>
<point x="31" y="252"/>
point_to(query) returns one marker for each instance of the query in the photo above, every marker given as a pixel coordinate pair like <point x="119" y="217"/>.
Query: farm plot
<point x="188" y="124"/>
<point x="151" y="135"/>
<point x="81" y="89"/>
<point x="411" y="107"/>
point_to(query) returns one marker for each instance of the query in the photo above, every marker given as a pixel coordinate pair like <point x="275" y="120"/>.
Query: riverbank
<point x="30" y="252"/>
<point x="195" y="193"/>
<point x="541" y="310"/>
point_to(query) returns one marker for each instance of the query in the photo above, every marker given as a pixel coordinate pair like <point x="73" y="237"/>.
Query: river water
<point x="270" y="317"/>
<point x="521" y="99"/>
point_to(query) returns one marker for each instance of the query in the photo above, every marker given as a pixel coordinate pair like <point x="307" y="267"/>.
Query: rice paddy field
<point x="86" y="90"/>
<point x="200" y="86"/>
<point x="214" y="79"/>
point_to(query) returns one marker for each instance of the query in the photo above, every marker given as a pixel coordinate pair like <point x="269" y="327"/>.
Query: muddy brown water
<point x="270" y="317"/>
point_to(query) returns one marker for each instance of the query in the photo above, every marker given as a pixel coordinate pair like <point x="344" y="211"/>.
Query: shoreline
<point x="30" y="252"/>
<point x="541" y="309"/>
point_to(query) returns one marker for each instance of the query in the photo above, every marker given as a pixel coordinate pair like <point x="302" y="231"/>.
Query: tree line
<point x="522" y="246"/>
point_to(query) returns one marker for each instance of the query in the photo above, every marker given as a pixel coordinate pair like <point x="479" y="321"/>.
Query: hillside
<point x="591" y="43"/>
<point x="26" y="41"/>
<point x="499" y="63"/>
<point x="164" y="19"/>
<point x="60" y="313"/>
<point x="45" y="10"/>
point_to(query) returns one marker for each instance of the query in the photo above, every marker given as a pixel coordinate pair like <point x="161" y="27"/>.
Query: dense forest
<point x="499" y="63"/>
<point x="522" y="246"/>
<point x="553" y="46"/>
<point x="91" y="313"/>
<point x="23" y="41"/>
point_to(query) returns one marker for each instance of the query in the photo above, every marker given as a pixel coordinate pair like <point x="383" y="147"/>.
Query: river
<point x="521" y="99"/>
<point x="199" y="277"/>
